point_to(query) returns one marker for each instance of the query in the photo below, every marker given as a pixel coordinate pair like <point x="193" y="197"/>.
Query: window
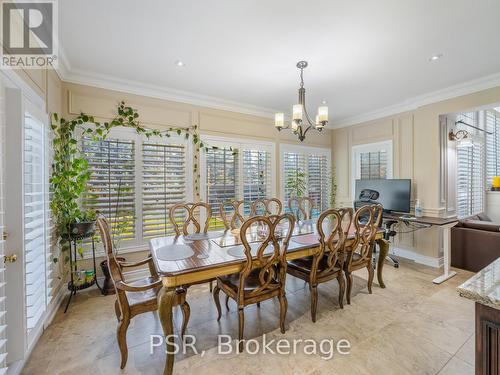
<point x="492" y="145"/>
<point x="36" y="233"/>
<point x="371" y="161"/>
<point x="236" y="169"/>
<point x="373" y="165"/>
<point x="470" y="168"/>
<point x="309" y="166"/>
<point x="134" y="182"/>
<point x="111" y="188"/>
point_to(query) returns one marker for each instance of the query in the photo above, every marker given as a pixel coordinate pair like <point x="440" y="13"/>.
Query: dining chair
<point x="136" y="297"/>
<point x="191" y="217"/>
<point x="327" y="262"/>
<point x="258" y="208"/>
<point x="264" y="273"/>
<point x="360" y="254"/>
<point x="234" y="209"/>
<point x="301" y="206"/>
<point x="273" y="202"/>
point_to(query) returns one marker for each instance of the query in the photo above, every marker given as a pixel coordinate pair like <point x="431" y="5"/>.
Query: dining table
<point x="185" y="260"/>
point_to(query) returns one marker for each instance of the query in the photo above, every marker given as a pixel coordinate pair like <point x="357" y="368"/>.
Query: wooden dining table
<point x="196" y="258"/>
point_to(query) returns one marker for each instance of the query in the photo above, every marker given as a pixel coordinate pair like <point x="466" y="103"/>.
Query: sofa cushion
<point x="481" y="225"/>
<point x="483" y="217"/>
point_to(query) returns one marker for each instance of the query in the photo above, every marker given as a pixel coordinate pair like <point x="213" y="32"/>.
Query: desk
<point x="208" y="261"/>
<point x="444" y="224"/>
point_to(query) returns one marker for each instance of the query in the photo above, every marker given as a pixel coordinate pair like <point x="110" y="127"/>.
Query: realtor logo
<point x="29" y="34"/>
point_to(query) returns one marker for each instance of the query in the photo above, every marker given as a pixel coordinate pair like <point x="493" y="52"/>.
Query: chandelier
<point x="301" y="122"/>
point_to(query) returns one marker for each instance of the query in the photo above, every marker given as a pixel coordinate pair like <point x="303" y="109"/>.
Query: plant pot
<point x="108" y="287"/>
<point x="82" y="230"/>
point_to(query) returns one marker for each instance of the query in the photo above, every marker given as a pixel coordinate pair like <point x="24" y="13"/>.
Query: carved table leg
<point x="384" y="250"/>
<point x="166" y="300"/>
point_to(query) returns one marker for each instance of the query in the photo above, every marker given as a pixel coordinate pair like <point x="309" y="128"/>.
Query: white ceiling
<point x="363" y="55"/>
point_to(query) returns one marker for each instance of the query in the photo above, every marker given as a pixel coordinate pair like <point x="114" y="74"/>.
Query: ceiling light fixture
<point x="299" y="111"/>
<point x="180" y="63"/>
<point x="436" y="57"/>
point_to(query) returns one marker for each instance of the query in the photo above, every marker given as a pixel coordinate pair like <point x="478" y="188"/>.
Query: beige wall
<point x="162" y="114"/>
<point x="416" y="155"/>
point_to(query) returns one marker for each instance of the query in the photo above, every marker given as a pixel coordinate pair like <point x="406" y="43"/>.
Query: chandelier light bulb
<point x="297" y="112"/>
<point x="323" y="114"/>
<point x="279" y="120"/>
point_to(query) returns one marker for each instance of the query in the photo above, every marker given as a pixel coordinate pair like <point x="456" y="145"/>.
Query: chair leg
<point x="121" y="334"/>
<point x="186" y="312"/>
<point x="241" y="324"/>
<point x="211" y="287"/>
<point x="117" y="311"/>
<point x="217" y="301"/>
<point x="283" y="310"/>
<point x="227" y="302"/>
<point x="314" y="301"/>
<point x="348" y="277"/>
<point x="371" y="273"/>
<point x="341" y="281"/>
<point x="258" y="304"/>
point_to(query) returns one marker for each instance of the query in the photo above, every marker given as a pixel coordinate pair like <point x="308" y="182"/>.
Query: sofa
<point x="475" y="243"/>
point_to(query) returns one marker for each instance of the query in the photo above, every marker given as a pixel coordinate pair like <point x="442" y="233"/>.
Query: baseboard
<point x="416" y="257"/>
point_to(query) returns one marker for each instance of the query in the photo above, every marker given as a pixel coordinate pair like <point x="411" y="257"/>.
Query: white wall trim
<point x="410" y="104"/>
<point x="416" y="257"/>
<point x="109" y="82"/>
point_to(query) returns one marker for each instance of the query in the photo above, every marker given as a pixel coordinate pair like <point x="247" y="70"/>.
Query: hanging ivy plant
<point x="70" y="172"/>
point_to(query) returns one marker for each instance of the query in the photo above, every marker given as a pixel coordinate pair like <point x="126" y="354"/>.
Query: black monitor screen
<point x="394" y="195"/>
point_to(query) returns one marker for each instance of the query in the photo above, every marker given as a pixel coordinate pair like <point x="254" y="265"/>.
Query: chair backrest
<point x="301" y="206"/>
<point x="115" y="270"/>
<point x="366" y="222"/>
<point x="235" y="219"/>
<point x="331" y="239"/>
<point x="190" y="218"/>
<point x="266" y="207"/>
<point x="258" y="208"/>
<point x="270" y="254"/>
<point x="273" y="206"/>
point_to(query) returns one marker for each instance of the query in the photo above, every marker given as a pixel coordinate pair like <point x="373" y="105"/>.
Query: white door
<point x="26" y="222"/>
<point x="3" y="318"/>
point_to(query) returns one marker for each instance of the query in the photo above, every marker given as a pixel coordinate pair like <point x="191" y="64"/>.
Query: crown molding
<point x="411" y="104"/>
<point x="160" y="92"/>
<point x="68" y="74"/>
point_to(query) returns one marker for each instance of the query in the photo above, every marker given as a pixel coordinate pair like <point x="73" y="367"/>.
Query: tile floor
<point x="411" y="327"/>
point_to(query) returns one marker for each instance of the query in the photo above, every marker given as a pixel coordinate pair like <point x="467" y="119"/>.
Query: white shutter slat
<point x="470" y="170"/>
<point x="36" y="247"/>
<point x="111" y="187"/>
<point x="164" y="183"/>
<point x="222" y="180"/>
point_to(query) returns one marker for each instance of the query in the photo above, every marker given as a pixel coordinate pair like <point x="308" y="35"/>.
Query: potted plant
<point x="296" y="183"/>
<point x="83" y="225"/>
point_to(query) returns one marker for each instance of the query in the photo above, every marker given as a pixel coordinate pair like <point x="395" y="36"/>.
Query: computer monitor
<point x="394" y="194"/>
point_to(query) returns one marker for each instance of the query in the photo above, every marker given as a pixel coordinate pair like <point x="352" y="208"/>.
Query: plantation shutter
<point x="492" y="146"/>
<point x="373" y="165"/>
<point x="3" y="323"/>
<point x="222" y="180"/>
<point x="470" y="171"/>
<point x="294" y="164"/>
<point x="163" y="185"/>
<point x="318" y="182"/>
<point x="257" y="179"/>
<point x="111" y="187"/>
<point x="36" y="234"/>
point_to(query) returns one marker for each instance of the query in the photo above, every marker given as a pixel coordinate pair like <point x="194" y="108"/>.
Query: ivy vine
<point x="70" y="172"/>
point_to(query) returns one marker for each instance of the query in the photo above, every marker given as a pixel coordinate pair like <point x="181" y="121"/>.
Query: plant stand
<point x="73" y="267"/>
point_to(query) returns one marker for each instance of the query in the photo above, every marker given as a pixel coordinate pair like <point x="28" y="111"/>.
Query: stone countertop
<point x="484" y="287"/>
